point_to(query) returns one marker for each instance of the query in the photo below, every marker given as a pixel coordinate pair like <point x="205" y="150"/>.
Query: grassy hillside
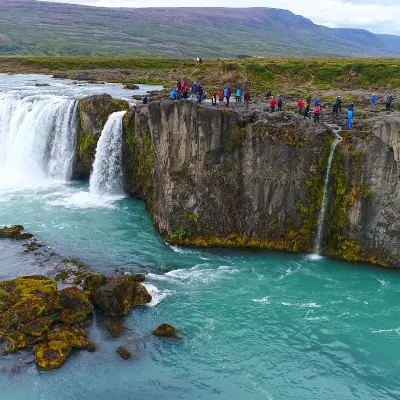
<point x="258" y="74"/>
<point x="30" y="27"/>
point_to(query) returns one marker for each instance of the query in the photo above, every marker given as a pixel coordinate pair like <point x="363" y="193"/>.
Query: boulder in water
<point x="76" y="305"/>
<point x="116" y="297"/>
<point x="115" y="328"/>
<point x="14" y="232"/>
<point x="124" y="353"/>
<point x="51" y="355"/>
<point x="141" y="295"/>
<point x="165" y="330"/>
<point x="131" y="86"/>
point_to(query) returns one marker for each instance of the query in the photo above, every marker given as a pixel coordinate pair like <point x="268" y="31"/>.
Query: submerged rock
<point x="14" y="232"/>
<point x="124" y="353"/>
<point x="131" y="86"/>
<point x="115" y="328"/>
<point x="165" y="330"/>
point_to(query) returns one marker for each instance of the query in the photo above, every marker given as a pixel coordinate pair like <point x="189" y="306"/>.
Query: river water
<point x="253" y="324"/>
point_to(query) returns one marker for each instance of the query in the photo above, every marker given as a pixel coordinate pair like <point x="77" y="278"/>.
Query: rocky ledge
<point x="36" y="315"/>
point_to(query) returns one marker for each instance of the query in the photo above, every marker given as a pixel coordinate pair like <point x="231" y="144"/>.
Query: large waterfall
<point x="37" y="138"/>
<point x="107" y="175"/>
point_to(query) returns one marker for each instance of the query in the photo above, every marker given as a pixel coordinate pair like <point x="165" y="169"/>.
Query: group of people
<point x="226" y="94"/>
<point x="388" y="102"/>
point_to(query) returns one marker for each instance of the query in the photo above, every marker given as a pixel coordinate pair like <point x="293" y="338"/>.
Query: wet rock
<point x="131" y="86"/>
<point x="37" y="327"/>
<point x="115" y="328"/>
<point x="42" y="84"/>
<point x="116" y="297"/>
<point x="139" y="277"/>
<point x="94" y="282"/>
<point x="14" y="232"/>
<point x="51" y="355"/>
<point x="124" y="353"/>
<point x="141" y="295"/>
<point x="76" y="300"/>
<point x="165" y="330"/>
<point x="60" y="75"/>
<point x="15" y="341"/>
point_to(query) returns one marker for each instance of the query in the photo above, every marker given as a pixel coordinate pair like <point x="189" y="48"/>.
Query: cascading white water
<point x="37" y="138"/>
<point x="106" y="178"/>
<point x="321" y="218"/>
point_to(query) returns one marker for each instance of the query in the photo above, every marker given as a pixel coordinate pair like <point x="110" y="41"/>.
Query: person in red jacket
<point x="301" y="105"/>
<point x="273" y="103"/>
<point x="317" y="113"/>
<point x="184" y="89"/>
<point x="221" y="96"/>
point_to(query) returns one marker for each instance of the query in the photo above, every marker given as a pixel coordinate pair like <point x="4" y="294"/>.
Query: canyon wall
<point x="215" y="177"/>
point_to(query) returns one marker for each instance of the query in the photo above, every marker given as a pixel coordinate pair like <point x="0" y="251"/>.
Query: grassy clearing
<point x="277" y="74"/>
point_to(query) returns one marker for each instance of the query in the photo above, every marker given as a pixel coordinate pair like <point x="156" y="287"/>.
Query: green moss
<point x="234" y="138"/>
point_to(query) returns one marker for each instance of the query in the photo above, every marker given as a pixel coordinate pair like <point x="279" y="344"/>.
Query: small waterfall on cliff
<point x="37" y="138"/>
<point x="107" y="177"/>
<point x="321" y="218"/>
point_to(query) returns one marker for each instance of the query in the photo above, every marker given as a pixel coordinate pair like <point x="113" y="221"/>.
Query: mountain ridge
<point x="29" y="27"/>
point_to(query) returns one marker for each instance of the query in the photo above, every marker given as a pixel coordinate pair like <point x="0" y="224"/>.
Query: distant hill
<point x="30" y="27"/>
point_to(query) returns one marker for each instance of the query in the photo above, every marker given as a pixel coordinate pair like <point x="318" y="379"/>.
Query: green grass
<point x="277" y="74"/>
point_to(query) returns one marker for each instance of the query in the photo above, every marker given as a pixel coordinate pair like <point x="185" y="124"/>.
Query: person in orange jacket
<point x="273" y="103"/>
<point x="301" y="105"/>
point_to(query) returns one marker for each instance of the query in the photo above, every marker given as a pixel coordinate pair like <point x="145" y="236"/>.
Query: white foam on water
<point x="264" y="300"/>
<point x="198" y="274"/>
<point x="314" y="257"/>
<point x="396" y="330"/>
<point x="157" y="295"/>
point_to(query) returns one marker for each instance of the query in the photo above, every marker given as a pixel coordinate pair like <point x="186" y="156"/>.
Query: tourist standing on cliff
<point x="268" y="95"/>
<point x="173" y="95"/>
<point x="246" y="97"/>
<point x="317" y="113"/>
<point x="273" y="103"/>
<point x="349" y="119"/>
<point x="335" y="108"/>
<point x="239" y="95"/>
<point x="389" y="100"/>
<point x="185" y="88"/>
<point x="339" y="103"/>
<point x="214" y="99"/>
<point x="373" y="100"/>
<point x="195" y="89"/>
<point x="227" y="95"/>
<point x="221" y="96"/>
<point x="280" y="103"/>
<point x="301" y="105"/>
<point x="307" y="111"/>
<point x="316" y="101"/>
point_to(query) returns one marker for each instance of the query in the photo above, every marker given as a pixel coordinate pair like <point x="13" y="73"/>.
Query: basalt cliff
<point x="217" y="177"/>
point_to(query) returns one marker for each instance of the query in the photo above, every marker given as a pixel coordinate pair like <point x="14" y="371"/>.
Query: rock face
<point x="93" y="114"/>
<point x="365" y="207"/>
<point x="214" y="177"/>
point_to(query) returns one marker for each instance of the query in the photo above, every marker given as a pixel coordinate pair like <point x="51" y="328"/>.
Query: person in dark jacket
<point x="307" y="111"/>
<point x="339" y="102"/>
<point x="335" y="108"/>
<point x="308" y="101"/>
<point x="389" y="100"/>
<point x="280" y="103"/>
<point x="246" y="98"/>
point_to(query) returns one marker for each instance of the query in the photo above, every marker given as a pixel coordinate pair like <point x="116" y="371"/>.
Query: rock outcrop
<point x="93" y="113"/>
<point x="217" y="177"/>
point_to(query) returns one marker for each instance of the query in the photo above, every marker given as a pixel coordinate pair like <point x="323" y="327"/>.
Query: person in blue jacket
<point x="373" y="100"/>
<point x="316" y="101"/>
<point x="280" y="103"/>
<point x="195" y="89"/>
<point x="173" y="94"/>
<point x="349" y="119"/>
<point x="238" y="95"/>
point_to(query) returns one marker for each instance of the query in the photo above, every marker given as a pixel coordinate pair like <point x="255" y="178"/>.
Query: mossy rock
<point x="52" y="355"/>
<point x="26" y="310"/>
<point x="141" y="295"/>
<point x="71" y="336"/>
<point x="165" y="330"/>
<point x="138" y="277"/>
<point x="14" y="232"/>
<point x="94" y="282"/>
<point x="15" y="341"/>
<point x="73" y="317"/>
<point x="116" y="298"/>
<point x="124" y="353"/>
<point x="73" y="298"/>
<point x="115" y="328"/>
<point x="37" y="327"/>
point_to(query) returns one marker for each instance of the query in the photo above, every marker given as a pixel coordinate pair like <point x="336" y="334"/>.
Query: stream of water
<point x="253" y="324"/>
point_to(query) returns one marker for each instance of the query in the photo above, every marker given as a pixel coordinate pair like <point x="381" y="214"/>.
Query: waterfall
<point x="37" y="138"/>
<point x="321" y="218"/>
<point x="107" y="176"/>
